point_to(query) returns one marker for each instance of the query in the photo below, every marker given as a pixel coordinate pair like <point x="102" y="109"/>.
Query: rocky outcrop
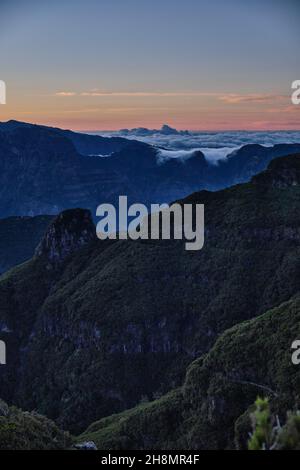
<point x="69" y="231"/>
<point x="87" y="445"/>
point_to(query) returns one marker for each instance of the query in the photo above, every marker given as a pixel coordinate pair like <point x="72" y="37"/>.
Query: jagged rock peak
<point x="281" y="172"/>
<point x="69" y="231"/>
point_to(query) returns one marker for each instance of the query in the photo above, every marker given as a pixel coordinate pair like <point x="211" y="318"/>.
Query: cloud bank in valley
<point x="214" y="145"/>
<point x="212" y="155"/>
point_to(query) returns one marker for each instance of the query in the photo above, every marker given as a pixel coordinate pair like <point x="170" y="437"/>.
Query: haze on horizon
<point x="194" y="64"/>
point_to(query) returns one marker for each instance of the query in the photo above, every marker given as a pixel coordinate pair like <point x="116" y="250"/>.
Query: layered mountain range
<point x="95" y="327"/>
<point x="46" y="170"/>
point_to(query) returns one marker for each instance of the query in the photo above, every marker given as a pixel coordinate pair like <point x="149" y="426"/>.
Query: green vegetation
<point x="152" y="425"/>
<point x="213" y="408"/>
<point x="29" y="431"/>
<point x="268" y="434"/>
<point x="118" y="323"/>
<point x="264" y="434"/>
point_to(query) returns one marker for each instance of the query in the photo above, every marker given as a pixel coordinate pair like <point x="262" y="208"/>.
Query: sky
<point x="111" y="64"/>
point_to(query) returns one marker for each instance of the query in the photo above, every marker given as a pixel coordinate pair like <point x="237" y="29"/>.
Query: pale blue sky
<point x="160" y="46"/>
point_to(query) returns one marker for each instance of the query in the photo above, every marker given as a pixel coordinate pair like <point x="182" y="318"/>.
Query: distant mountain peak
<point x="165" y="129"/>
<point x="144" y="131"/>
<point x="69" y="231"/>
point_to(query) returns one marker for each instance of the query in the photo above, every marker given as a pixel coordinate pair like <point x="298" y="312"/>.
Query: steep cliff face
<point x="42" y="173"/>
<point x="98" y="334"/>
<point x="69" y="232"/>
<point x="211" y="409"/>
<point x="25" y="288"/>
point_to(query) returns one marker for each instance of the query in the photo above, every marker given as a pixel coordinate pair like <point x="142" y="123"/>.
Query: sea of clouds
<point x="214" y="145"/>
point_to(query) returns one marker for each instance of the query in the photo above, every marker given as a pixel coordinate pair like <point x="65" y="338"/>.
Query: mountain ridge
<point x="43" y="171"/>
<point x="107" y="335"/>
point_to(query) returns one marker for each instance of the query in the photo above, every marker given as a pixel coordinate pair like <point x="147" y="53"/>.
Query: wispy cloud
<point x="135" y="93"/>
<point x="227" y="98"/>
<point x="65" y="93"/>
<point x="147" y="93"/>
<point x="233" y="98"/>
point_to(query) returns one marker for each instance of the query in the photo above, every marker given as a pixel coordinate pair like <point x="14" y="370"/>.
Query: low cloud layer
<point x="212" y="155"/>
<point x="214" y="145"/>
